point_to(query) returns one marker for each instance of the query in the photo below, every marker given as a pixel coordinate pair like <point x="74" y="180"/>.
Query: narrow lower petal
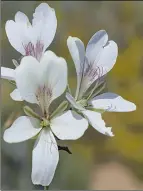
<point x="69" y="126"/>
<point x="77" y="51"/>
<point x="112" y="102"/>
<point x="45" y="157"/>
<point x="22" y="129"/>
<point x="97" y="122"/>
<point x="15" y="95"/>
<point x="7" y="73"/>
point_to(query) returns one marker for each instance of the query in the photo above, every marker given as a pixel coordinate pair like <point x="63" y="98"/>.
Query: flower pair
<point x="41" y="77"/>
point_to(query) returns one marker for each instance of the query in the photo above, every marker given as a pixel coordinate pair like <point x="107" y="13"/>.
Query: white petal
<point x="27" y="78"/>
<point x="45" y="23"/>
<point x="97" y="122"/>
<point x="17" y="32"/>
<point x="15" y="95"/>
<point x="77" y="51"/>
<point x="107" y="58"/>
<point x="95" y="46"/>
<point x="54" y="73"/>
<point x="21" y="18"/>
<point x="50" y="73"/>
<point x="45" y="157"/>
<point x="7" y="73"/>
<point x="69" y="126"/>
<point x="22" y="129"/>
<point x="73" y="102"/>
<point x="112" y="102"/>
<point x="101" y="57"/>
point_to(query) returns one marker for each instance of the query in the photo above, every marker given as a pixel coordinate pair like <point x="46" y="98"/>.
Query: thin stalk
<point x="15" y="63"/>
<point x="12" y="82"/>
<point x="61" y="108"/>
<point x="46" y="187"/>
<point x="98" y="91"/>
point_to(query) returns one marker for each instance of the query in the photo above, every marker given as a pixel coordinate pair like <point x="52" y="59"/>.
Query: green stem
<point x="46" y="187"/>
<point x="103" y="84"/>
<point x="12" y="82"/>
<point x="15" y="63"/>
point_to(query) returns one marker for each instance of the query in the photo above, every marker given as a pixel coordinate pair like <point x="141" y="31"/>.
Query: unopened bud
<point x="15" y="63"/>
<point x="28" y="111"/>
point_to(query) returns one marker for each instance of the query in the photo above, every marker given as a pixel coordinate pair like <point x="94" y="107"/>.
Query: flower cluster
<point x="42" y="76"/>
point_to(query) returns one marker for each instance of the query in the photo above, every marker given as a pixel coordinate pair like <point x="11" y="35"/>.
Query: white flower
<point x="98" y="59"/>
<point x="32" y="39"/>
<point x="41" y="84"/>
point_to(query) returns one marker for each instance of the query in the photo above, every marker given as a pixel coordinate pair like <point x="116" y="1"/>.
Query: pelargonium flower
<point x="91" y="65"/>
<point x="30" y="39"/>
<point x="41" y="84"/>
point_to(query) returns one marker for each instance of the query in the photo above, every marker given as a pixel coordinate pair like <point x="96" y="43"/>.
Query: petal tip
<point x="6" y="137"/>
<point x="109" y="132"/>
<point x="134" y="107"/>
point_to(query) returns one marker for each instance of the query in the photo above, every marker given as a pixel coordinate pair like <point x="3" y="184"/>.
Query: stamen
<point x="91" y="72"/>
<point x="44" y="123"/>
<point x="35" y="51"/>
<point x="44" y="95"/>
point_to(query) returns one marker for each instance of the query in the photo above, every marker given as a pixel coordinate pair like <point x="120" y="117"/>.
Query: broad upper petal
<point x="27" y="78"/>
<point x="45" y="157"/>
<point x="17" y="32"/>
<point x="49" y="77"/>
<point x="44" y="24"/>
<point x="54" y="73"/>
<point x="15" y="95"/>
<point x="101" y="56"/>
<point x="97" y="122"/>
<point x="112" y="102"/>
<point x="22" y="129"/>
<point x="7" y="73"/>
<point x="95" y="46"/>
<point x="107" y="58"/>
<point x="101" y="53"/>
<point x="69" y="126"/>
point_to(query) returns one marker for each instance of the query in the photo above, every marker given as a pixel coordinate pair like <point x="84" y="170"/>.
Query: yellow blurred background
<point x="97" y="161"/>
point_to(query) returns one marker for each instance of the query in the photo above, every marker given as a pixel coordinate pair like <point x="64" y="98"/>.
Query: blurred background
<point x="97" y="161"/>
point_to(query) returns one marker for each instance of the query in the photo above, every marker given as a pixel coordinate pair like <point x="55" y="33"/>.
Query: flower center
<point x="44" y="95"/>
<point x="44" y="123"/>
<point x="82" y="102"/>
<point x="35" y="51"/>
